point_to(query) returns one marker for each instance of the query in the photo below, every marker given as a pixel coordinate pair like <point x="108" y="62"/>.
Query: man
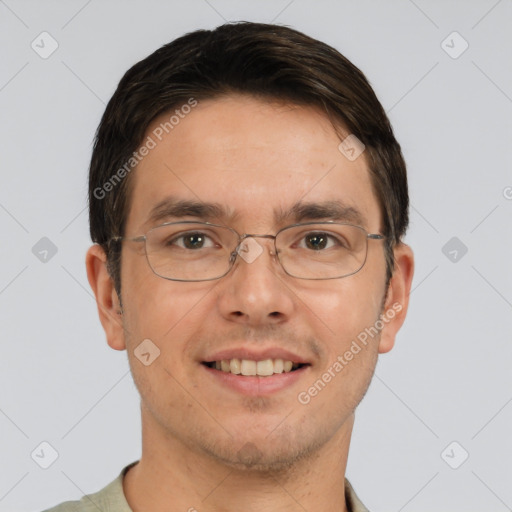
<point x="247" y="202"/>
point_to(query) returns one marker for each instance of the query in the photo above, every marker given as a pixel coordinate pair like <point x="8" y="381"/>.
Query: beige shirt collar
<point x="112" y="498"/>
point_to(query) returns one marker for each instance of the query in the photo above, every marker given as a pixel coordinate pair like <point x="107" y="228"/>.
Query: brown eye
<point x="316" y="241"/>
<point x="194" y="241"/>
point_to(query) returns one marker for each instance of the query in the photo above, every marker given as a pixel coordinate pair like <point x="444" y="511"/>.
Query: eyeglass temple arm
<point x="140" y="238"/>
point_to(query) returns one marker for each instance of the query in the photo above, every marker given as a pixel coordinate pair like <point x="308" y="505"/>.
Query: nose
<point x="255" y="292"/>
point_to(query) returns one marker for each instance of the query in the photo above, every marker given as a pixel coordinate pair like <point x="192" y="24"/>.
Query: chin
<point x="250" y="458"/>
<point x="264" y="453"/>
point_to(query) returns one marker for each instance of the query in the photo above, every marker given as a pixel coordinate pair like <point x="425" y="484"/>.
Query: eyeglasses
<point x="201" y="251"/>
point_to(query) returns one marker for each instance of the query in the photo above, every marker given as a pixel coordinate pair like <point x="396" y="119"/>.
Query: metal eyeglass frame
<point x="241" y="238"/>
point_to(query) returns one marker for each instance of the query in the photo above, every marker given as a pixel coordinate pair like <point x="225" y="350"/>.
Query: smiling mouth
<point x="248" y="367"/>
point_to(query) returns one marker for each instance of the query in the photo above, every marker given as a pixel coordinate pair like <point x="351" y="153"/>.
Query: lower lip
<point x="255" y="385"/>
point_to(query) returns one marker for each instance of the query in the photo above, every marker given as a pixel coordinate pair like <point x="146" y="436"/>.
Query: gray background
<point x="448" y="378"/>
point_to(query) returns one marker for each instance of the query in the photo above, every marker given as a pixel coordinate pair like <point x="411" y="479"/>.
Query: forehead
<point x="255" y="159"/>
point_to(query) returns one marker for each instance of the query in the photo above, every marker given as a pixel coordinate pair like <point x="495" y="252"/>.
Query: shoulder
<point x="354" y="504"/>
<point x="67" y="506"/>
<point x="111" y="498"/>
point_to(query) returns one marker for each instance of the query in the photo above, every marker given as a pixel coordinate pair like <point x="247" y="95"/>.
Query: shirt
<point x="112" y="499"/>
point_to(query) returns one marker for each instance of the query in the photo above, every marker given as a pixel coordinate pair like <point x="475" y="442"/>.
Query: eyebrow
<point x="335" y="210"/>
<point x="172" y="208"/>
<point x="325" y="210"/>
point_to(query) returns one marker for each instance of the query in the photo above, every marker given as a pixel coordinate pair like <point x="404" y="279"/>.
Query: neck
<point x="173" y="477"/>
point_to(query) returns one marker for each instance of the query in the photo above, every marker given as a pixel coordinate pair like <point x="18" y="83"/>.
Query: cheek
<point x="341" y="309"/>
<point x="343" y="319"/>
<point x="166" y="312"/>
<point x="151" y="303"/>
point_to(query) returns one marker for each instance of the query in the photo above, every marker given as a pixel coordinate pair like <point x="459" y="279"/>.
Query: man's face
<point x="254" y="159"/>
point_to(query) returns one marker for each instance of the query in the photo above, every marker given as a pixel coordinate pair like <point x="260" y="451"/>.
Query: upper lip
<point x="256" y="355"/>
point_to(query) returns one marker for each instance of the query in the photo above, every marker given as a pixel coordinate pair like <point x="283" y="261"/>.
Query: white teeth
<point x="234" y="366"/>
<point x="265" y="367"/>
<point x="248" y="367"/>
<point x="278" y="366"/>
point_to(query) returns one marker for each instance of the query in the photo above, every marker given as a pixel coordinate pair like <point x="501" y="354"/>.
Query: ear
<point x="109" y="307"/>
<point x="397" y="299"/>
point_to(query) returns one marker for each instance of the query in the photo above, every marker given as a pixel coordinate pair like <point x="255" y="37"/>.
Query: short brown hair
<point x="263" y="60"/>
